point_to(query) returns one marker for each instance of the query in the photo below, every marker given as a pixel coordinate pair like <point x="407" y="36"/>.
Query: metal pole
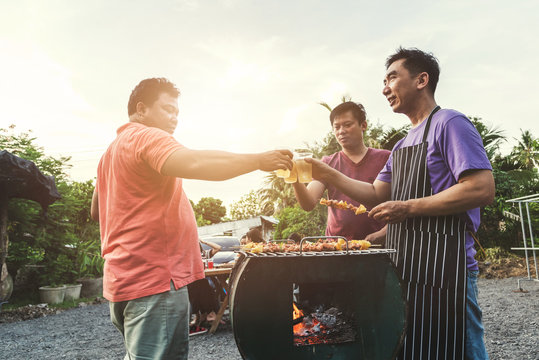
<point x="524" y="238"/>
<point x="531" y="238"/>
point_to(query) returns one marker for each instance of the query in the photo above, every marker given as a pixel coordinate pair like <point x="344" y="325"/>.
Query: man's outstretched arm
<point x="363" y="192"/>
<point x="221" y="165"/>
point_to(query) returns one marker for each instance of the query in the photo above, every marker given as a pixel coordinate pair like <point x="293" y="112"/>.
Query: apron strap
<point x="427" y="126"/>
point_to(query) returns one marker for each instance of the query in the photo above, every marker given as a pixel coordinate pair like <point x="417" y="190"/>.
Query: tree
<point x="305" y="223"/>
<point x="23" y="145"/>
<point x="51" y="241"/>
<point x="210" y="209"/>
<point x="276" y="195"/>
<point x="248" y="206"/>
<point x="526" y="153"/>
<point x="491" y="136"/>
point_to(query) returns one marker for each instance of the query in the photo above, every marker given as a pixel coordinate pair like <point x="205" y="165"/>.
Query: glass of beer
<point x="282" y="173"/>
<point x="304" y="169"/>
<point x="292" y="175"/>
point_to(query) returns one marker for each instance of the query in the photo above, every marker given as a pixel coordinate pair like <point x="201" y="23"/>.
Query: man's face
<point x="347" y="130"/>
<point x="399" y="87"/>
<point x="162" y="114"/>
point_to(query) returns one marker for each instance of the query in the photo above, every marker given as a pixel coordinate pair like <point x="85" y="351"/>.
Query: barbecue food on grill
<point x="320" y="245"/>
<point x="343" y="205"/>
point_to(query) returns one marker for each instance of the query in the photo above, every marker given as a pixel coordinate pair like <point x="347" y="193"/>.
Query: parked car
<point x="228" y="245"/>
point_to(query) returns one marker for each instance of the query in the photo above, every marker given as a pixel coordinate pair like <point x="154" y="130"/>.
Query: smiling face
<point x="400" y="87"/>
<point x="348" y="131"/>
<point x="162" y="114"/>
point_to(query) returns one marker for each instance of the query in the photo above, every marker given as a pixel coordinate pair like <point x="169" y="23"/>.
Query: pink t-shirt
<point x="344" y="222"/>
<point x="148" y="228"/>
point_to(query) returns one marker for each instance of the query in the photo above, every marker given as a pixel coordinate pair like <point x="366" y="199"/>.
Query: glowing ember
<point x="320" y="327"/>
<point x="308" y="326"/>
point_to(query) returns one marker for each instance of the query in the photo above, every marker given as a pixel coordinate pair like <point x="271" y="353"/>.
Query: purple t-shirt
<point x="454" y="147"/>
<point x="344" y="222"/>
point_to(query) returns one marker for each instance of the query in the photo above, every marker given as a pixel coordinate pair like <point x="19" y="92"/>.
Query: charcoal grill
<point x="261" y="303"/>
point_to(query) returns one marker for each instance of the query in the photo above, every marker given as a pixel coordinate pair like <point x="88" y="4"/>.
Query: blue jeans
<point x="475" y="345"/>
<point x="155" y="326"/>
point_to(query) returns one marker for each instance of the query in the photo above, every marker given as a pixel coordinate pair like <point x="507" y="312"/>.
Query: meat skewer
<point x="343" y="205"/>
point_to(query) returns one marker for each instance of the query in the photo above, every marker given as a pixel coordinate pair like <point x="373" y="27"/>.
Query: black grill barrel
<point x="364" y="283"/>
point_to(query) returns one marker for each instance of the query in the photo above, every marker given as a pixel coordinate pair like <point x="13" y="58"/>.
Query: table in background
<point x="222" y="274"/>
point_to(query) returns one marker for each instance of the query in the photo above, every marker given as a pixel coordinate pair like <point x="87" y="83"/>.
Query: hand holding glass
<point x="304" y="169"/>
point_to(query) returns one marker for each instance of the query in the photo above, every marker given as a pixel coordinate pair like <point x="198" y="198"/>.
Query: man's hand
<point x="275" y="159"/>
<point x="391" y="212"/>
<point x="321" y="170"/>
<point x="378" y="237"/>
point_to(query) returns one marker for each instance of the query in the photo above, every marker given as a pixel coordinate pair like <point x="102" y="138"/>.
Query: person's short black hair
<point x="255" y="235"/>
<point x="358" y="111"/>
<point x="148" y="91"/>
<point x="295" y="237"/>
<point x="417" y="61"/>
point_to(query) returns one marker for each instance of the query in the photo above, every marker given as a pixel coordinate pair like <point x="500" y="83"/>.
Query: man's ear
<point x="140" y="108"/>
<point x="422" y="80"/>
<point x="363" y="125"/>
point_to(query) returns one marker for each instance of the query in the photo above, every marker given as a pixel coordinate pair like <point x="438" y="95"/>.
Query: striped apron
<point x="431" y="260"/>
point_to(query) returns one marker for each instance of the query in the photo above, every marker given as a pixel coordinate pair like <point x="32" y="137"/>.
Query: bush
<point x="54" y="240"/>
<point x="295" y="219"/>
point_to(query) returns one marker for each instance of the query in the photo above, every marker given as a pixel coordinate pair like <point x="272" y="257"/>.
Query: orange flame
<point x="297" y="312"/>
<point x="301" y="328"/>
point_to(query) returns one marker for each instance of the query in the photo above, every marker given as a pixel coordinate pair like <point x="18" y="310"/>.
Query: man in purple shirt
<point x="429" y="193"/>
<point x="355" y="160"/>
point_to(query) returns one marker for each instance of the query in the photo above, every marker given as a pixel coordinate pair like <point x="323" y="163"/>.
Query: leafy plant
<point x="89" y="259"/>
<point x="295" y="219"/>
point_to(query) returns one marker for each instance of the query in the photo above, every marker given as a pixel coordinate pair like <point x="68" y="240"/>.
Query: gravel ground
<point x="511" y="320"/>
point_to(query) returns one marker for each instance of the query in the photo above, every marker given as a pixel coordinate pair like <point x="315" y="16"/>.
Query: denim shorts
<point x="475" y="345"/>
<point x="155" y="326"/>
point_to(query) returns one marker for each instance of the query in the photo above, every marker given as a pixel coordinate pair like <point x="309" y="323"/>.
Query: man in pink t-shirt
<point x="356" y="161"/>
<point x="149" y="235"/>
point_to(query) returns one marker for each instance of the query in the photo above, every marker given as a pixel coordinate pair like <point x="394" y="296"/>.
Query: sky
<point x="251" y="73"/>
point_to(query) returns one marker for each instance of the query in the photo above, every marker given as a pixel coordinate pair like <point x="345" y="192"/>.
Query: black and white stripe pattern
<point x="431" y="259"/>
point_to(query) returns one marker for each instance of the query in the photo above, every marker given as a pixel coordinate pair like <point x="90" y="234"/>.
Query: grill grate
<point x="270" y="255"/>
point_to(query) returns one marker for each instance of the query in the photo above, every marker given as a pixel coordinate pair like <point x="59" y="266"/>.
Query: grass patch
<point x="21" y="302"/>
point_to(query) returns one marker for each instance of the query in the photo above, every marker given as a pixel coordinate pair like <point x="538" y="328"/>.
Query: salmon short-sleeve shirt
<point x="148" y="229"/>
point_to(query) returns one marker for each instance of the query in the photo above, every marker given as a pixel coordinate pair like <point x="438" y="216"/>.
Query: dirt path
<point x="511" y="321"/>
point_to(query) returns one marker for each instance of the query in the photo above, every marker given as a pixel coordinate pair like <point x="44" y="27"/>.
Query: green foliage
<point x="526" y="152"/>
<point x="276" y="195"/>
<point x="392" y="136"/>
<point x="497" y="230"/>
<point x="495" y="254"/>
<point x="23" y="145"/>
<point x="295" y="219"/>
<point x="52" y="241"/>
<point x="492" y="136"/>
<point x="210" y="209"/>
<point x="248" y="206"/>
<point x="89" y="258"/>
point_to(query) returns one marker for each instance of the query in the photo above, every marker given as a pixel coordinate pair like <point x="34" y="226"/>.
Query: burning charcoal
<point x="327" y="320"/>
<point x="333" y="311"/>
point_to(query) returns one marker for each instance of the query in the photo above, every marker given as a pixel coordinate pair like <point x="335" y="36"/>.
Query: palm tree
<point x="275" y="195"/>
<point x="392" y="136"/>
<point x="492" y="137"/>
<point x="526" y="153"/>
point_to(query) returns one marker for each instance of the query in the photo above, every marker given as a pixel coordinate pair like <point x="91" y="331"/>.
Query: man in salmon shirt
<point x="149" y="235"/>
<point x="357" y="161"/>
